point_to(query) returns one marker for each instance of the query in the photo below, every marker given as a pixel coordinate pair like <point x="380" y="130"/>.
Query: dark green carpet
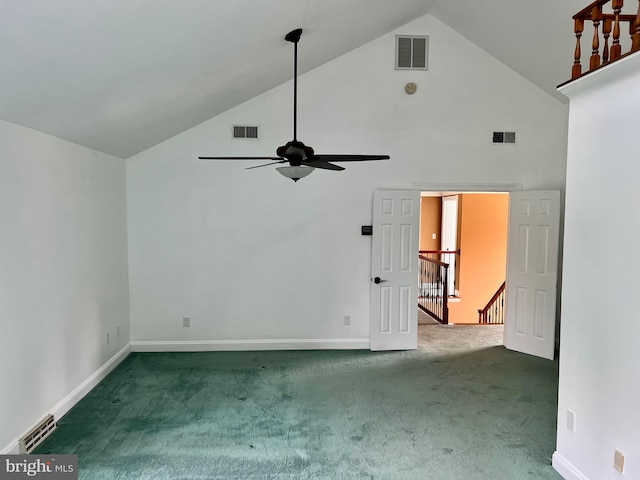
<point x="486" y="414"/>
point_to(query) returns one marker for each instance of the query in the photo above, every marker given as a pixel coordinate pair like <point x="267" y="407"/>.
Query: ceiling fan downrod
<point x="294" y="37"/>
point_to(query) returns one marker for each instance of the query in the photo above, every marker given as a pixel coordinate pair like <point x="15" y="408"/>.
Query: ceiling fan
<point x="301" y="158"/>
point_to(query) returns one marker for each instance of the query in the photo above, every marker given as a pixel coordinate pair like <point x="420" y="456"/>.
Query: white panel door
<point x="532" y="266"/>
<point x="394" y="270"/>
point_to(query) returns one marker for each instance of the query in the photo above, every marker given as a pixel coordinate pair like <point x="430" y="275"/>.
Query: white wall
<point x="250" y="255"/>
<point x="63" y="271"/>
<point x="599" y="354"/>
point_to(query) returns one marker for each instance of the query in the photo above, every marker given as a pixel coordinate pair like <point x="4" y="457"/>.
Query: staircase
<point x="493" y="312"/>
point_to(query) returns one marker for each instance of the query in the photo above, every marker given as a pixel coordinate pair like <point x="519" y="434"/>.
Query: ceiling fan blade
<point x="322" y="164"/>
<point x="349" y="158"/>
<point x="243" y="158"/>
<point x="265" y="164"/>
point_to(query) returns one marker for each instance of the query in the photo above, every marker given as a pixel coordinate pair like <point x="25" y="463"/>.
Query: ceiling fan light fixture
<point x="295" y="173"/>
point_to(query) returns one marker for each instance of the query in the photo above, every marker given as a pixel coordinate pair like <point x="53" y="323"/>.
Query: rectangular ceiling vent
<point x="504" y="137"/>
<point x="245" y="131"/>
<point x="411" y="52"/>
<point x="37" y="434"/>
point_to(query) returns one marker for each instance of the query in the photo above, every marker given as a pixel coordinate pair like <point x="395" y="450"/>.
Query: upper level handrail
<point x="610" y="29"/>
<point x="439" y="252"/>
<point x="586" y="11"/>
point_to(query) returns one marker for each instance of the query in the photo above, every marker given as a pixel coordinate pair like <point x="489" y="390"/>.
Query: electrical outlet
<point x="347" y="319"/>
<point x="186" y="321"/>
<point x="618" y="461"/>
<point x="117" y="331"/>
<point x="433" y="236"/>
<point x="107" y="338"/>
<point x="571" y="420"/>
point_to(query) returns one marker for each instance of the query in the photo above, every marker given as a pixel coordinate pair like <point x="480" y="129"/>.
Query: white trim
<point x="64" y="405"/>
<point x="467" y="187"/>
<point x="250" y="345"/>
<point x="12" y="449"/>
<point x="85" y="387"/>
<point x="566" y="469"/>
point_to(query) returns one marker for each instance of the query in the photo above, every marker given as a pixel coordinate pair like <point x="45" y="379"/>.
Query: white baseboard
<point x="64" y="405"/>
<point x="249" y="345"/>
<point x="566" y="469"/>
<point x="12" y="449"/>
<point x="85" y="387"/>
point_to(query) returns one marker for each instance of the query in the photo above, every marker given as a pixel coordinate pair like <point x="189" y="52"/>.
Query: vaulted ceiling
<point x="120" y="76"/>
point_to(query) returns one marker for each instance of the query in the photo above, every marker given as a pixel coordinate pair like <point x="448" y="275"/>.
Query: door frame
<point x="448" y="229"/>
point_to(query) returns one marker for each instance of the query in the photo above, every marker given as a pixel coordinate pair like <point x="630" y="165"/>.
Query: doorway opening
<point x="532" y="268"/>
<point x="474" y="227"/>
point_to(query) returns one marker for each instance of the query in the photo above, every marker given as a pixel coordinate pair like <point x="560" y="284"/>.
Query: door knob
<point x="378" y="280"/>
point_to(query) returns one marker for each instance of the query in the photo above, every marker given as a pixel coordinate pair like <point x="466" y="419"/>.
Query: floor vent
<point x="37" y="434"/>
<point x="245" y="131"/>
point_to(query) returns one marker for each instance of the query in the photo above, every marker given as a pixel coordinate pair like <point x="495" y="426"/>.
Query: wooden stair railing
<point x="610" y="30"/>
<point x="450" y="257"/>
<point x="493" y="312"/>
<point x="433" y="296"/>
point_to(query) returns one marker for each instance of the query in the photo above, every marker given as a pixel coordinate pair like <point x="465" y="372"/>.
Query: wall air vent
<point x="245" y="131"/>
<point x="504" y="137"/>
<point x="411" y="52"/>
<point x="37" y="434"/>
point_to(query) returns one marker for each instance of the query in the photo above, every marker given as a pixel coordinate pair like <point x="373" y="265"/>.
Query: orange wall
<point x="430" y="218"/>
<point x="482" y="234"/>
